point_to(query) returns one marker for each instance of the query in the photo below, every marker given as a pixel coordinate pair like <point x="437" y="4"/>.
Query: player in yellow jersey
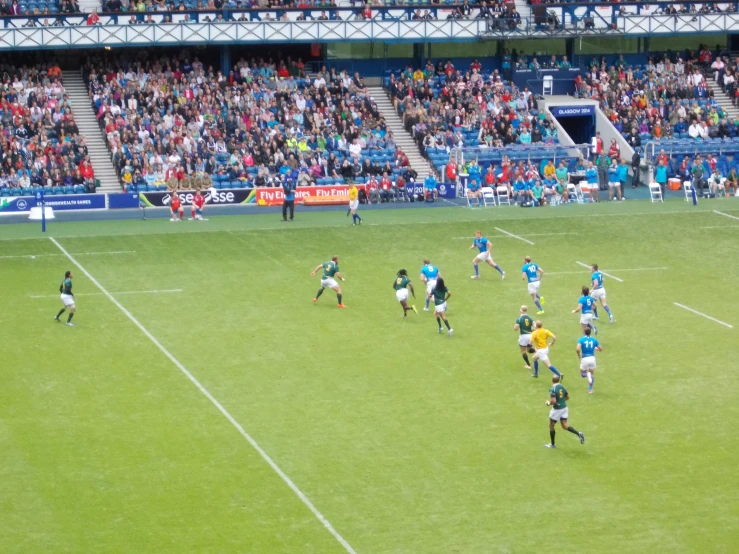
<point x="354" y="204"/>
<point x="540" y="339"/>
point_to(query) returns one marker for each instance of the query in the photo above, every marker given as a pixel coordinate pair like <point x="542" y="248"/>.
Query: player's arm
<point x="413" y="291"/>
<point x="540" y="271"/>
<point x="516" y="327"/>
<point x="473" y="245"/>
<point x="554" y="339"/>
<point x="319" y="266"/>
<point x="523" y="276"/>
<point x="552" y="400"/>
<point x="578" y="351"/>
<point x="339" y="276"/>
<point x="599" y="348"/>
<point x="579" y="307"/>
<point x="448" y="294"/>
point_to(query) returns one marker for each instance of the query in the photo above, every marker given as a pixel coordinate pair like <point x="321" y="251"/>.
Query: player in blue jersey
<point x="585" y="306"/>
<point x="429" y="275"/>
<point x="532" y="273"/>
<point x="586" y="347"/>
<point x="484" y="246"/>
<point x="599" y="292"/>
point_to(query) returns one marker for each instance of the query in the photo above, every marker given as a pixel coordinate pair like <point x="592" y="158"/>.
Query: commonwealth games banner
<point x="212" y="196"/>
<point x="60" y="202"/>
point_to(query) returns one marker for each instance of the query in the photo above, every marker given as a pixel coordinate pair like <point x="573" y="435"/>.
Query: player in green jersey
<point x="67" y="299"/>
<point x="525" y="325"/>
<point x="401" y="285"/>
<point x="441" y="294"/>
<point x="328" y="279"/>
<point x="558" y="398"/>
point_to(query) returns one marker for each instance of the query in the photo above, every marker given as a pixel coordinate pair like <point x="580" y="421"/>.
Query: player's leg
<point x="58" y="315"/>
<point x="172" y="213"/>
<point x="292" y="210"/>
<point x="337" y="288"/>
<point x="319" y="293"/>
<point x="591" y="380"/>
<point x="284" y="210"/>
<point x="552" y="433"/>
<point x="606" y="308"/>
<point x="525" y="357"/>
<point x="551" y="368"/>
<point x="619" y="194"/>
<point x="446" y="322"/>
<point x="491" y="262"/>
<point x="572" y="430"/>
<point x="182" y="213"/>
<point x="72" y="310"/>
<point x="476" y="266"/>
<point x="535" y="359"/>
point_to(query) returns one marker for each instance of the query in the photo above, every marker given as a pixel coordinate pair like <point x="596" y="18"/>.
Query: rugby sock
<point x="526" y="358"/>
<point x="497" y="267"/>
<point x="536" y="367"/>
<point x="359" y="217"/>
<point x="595" y="311"/>
<point x="552" y="432"/>
<point x="71" y="315"/>
<point x="573" y="431"/>
<point x="477" y="269"/>
<point x="60" y="313"/>
<point x="320" y="292"/>
<point x="348" y="212"/>
<point x="538" y="305"/>
<point x="339" y="298"/>
<point x="446" y="322"/>
<point x="591" y="379"/>
<point x="354" y="217"/>
<point x="608" y="310"/>
<point x="438" y="320"/>
<point x="427" y="302"/>
<point x="554" y="370"/>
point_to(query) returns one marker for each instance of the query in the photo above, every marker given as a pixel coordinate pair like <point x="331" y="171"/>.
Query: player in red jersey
<point x="198" y="203"/>
<point x="176" y="208"/>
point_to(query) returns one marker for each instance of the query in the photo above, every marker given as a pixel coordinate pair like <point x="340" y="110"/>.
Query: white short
<point x="599" y="293"/>
<point x="401" y="294"/>
<point x="483" y="257"/>
<point x="524" y="340"/>
<point x="353" y="204"/>
<point x="543" y="354"/>
<point x="614" y="184"/>
<point x="534" y="287"/>
<point x="440" y="308"/>
<point x="430" y="284"/>
<point x="329" y="283"/>
<point x="587" y="362"/>
<point x="67" y="300"/>
<point x="556" y="415"/>
<point x="586" y="319"/>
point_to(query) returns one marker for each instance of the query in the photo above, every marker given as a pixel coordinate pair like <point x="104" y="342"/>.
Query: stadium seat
<point x="655" y="192"/>
<point x="488" y="196"/>
<point x="501" y="195"/>
<point x="688" y="190"/>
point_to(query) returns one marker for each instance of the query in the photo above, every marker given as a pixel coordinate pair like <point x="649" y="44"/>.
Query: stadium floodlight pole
<point x="40" y="202"/>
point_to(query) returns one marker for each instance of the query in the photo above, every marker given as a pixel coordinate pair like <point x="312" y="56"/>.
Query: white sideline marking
<point x="164" y="291"/>
<point x="726" y="215"/>
<point x="720" y="227"/>
<point x="214" y="401"/>
<point x="507" y="237"/>
<point x="703" y="315"/>
<point x="603" y="272"/>
<point x="77" y="254"/>
<point x="514" y="236"/>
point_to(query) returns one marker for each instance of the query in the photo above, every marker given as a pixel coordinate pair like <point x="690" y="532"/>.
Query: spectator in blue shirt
<point x="429" y="183"/>
<point x="288" y="202"/>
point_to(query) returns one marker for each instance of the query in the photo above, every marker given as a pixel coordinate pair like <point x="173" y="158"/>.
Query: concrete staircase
<point x="722" y="99"/>
<point x="89" y="128"/>
<point x="403" y="138"/>
<point x="523" y="8"/>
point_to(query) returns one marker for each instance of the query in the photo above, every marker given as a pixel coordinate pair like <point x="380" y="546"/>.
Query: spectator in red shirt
<point x="93" y="18"/>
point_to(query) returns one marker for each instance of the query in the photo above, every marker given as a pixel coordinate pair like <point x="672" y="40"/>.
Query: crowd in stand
<point x="442" y="106"/>
<point x="40" y="143"/>
<point x="39" y="8"/>
<point x="668" y="98"/>
<point x="178" y="123"/>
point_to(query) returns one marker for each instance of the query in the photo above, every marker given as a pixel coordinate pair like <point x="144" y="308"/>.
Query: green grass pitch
<point x="405" y="440"/>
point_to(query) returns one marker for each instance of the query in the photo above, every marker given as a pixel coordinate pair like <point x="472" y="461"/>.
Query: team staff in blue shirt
<point x="288" y="202"/>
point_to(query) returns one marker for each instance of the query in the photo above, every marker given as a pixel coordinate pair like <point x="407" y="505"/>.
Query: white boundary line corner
<point x="303" y="498"/>
<point x="696" y="312"/>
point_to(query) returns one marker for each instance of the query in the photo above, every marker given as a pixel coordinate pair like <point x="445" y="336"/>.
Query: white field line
<point x="720" y="227"/>
<point x="514" y="236"/>
<point x="427" y="222"/>
<point x="32" y="256"/>
<point x="163" y="291"/>
<point x="703" y="315"/>
<point x="509" y="237"/>
<point x="326" y="523"/>
<point x="603" y="272"/>
<point x="726" y="215"/>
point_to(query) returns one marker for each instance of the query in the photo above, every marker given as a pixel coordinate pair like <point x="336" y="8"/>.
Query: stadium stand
<point x="40" y="143"/>
<point x="170" y="120"/>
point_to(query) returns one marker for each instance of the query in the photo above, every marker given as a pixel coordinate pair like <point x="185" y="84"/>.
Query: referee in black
<point x="288" y="202"/>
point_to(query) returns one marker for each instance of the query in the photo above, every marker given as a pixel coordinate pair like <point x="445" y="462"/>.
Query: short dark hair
<point x="585" y="291"/>
<point x="67" y="274"/>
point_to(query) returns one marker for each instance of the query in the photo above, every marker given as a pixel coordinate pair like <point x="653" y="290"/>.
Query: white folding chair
<point x="688" y="190"/>
<point x="586" y="192"/>
<point x="548" y="85"/>
<point x="655" y="192"/>
<point x="488" y="196"/>
<point x="573" y="193"/>
<point x="501" y="195"/>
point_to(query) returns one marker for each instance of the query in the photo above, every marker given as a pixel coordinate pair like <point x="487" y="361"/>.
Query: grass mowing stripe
<point x="703" y="315"/>
<point x="514" y="236"/>
<point x="603" y="272"/>
<point x="164" y="291"/>
<point x="326" y="523"/>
